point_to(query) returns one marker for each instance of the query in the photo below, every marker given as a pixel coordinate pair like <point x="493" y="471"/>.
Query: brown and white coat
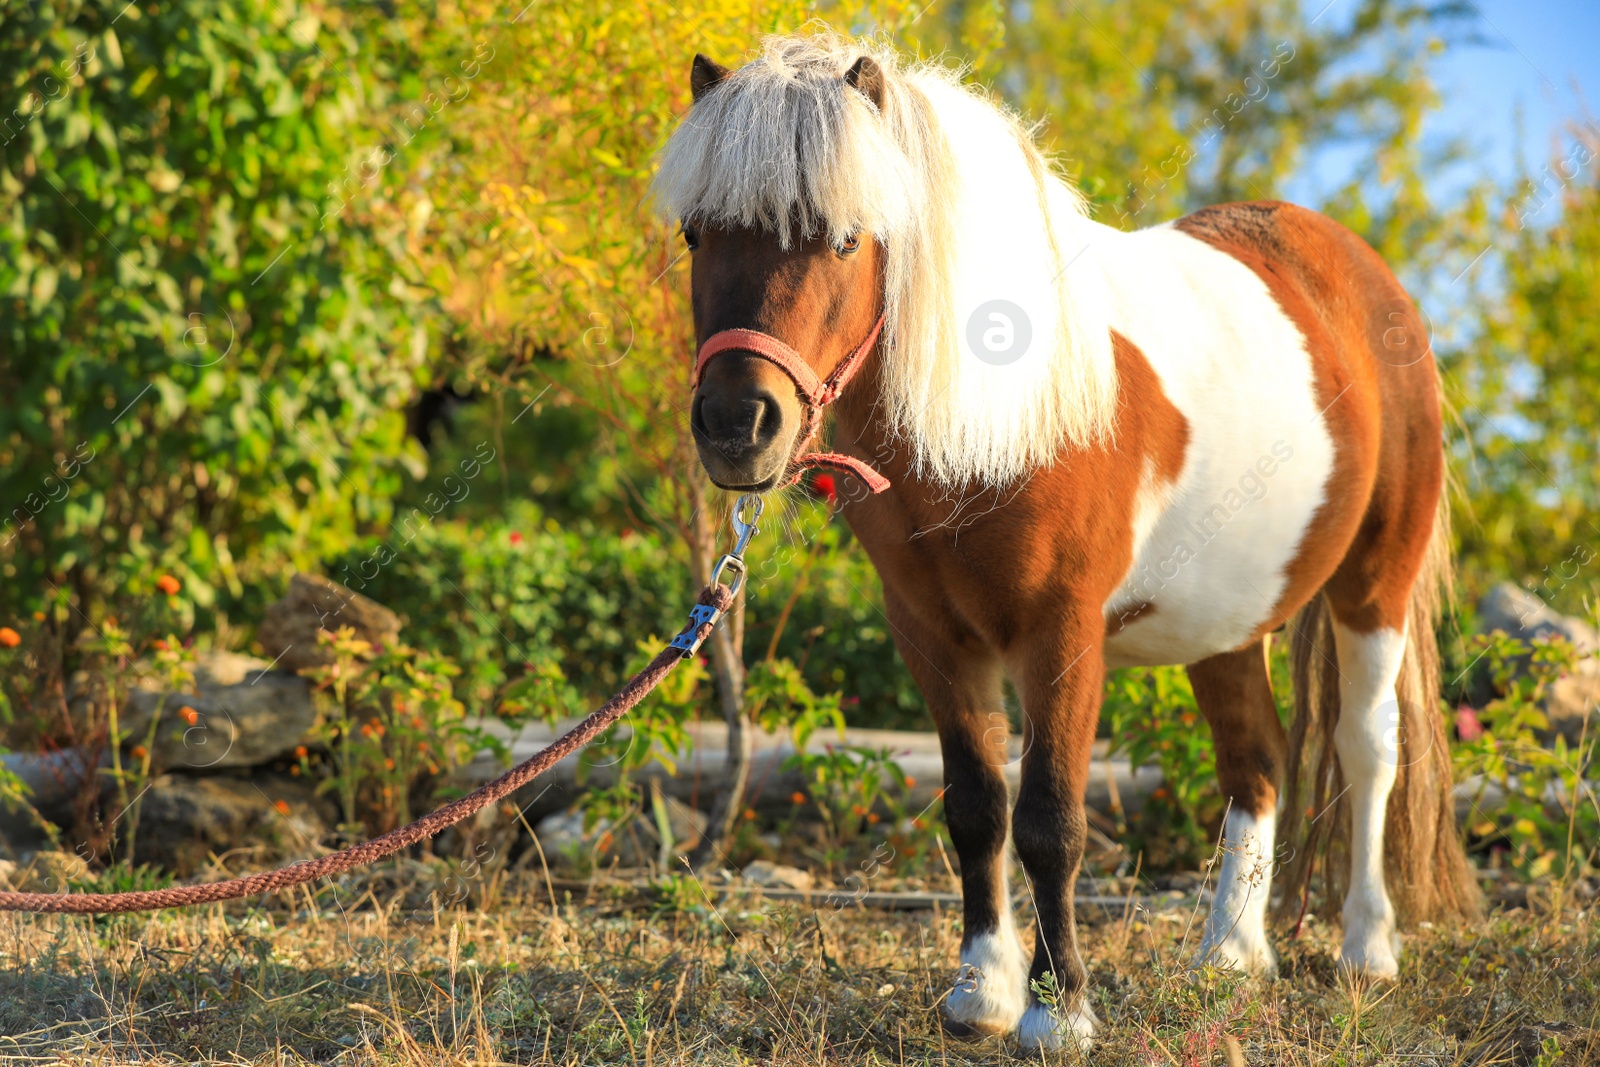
<point x="1105" y="449"/>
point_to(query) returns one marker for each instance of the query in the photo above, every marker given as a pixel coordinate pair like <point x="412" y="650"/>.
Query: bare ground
<point x="374" y="971"/>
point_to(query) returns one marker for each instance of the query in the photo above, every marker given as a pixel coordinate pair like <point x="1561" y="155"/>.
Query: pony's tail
<point x="1425" y="866"/>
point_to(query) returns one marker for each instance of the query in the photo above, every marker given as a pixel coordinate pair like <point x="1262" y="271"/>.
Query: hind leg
<point x="1368" y="742"/>
<point x="1234" y="692"/>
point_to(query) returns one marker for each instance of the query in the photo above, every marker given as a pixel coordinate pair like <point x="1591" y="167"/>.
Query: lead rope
<point x="713" y="602"/>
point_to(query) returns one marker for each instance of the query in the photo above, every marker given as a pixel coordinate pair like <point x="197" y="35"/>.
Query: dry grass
<point x="371" y="972"/>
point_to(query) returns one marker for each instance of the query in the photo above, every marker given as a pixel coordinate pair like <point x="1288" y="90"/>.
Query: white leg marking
<point x="1236" y="930"/>
<point x="1367" y="741"/>
<point x="991" y="988"/>
<point x="1048" y="1028"/>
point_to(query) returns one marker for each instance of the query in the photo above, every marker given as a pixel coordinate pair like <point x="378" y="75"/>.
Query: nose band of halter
<point x="816" y="392"/>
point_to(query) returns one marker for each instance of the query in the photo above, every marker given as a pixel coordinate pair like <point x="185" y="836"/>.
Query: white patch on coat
<point x="1236" y="930"/>
<point x="1258" y="458"/>
<point x="1367" y="740"/>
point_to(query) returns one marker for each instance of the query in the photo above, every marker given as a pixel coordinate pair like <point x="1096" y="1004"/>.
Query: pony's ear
<point x="704" y="75"/>
<point x="866" y="77"/>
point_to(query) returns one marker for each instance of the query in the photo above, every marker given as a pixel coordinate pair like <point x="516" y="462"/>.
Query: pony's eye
<point x="691" y="237"/>
<point x="848" y="245"/>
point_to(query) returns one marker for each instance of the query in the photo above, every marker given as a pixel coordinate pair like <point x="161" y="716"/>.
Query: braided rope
<point x="637" y="688"/>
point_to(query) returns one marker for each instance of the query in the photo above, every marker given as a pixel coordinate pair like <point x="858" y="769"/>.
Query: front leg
<point x="1061" y="679"/>
<point x="961" y="682"/>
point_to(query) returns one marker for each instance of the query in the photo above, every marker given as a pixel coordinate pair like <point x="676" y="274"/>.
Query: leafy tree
<point x="1528" y="391"/>
<point x="209" y="362"/>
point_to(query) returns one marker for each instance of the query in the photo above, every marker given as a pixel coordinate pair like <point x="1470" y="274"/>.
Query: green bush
<point x="501" y="597"/>
<point x="209" y="357"/>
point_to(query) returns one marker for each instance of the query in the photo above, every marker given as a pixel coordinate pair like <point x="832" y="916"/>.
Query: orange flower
<point x="388" y="764"/>
<point x="140" y="752"/>
<point x="9" y="637"/>
<point x="295" y="770"/>
<point x="857" y="809"/>
<point x="797" y="797"/>
<point x="911" y="783"/>
<point x="872" y="816"/>
<point x="160" y="643"/>
<point x="282" y="806"/>
<point x="168" y="585"/>
<point x="749" y="813"/>
<point x="917" y="824"/>
<point x="1160" y="793"/>
<point x="300" y="752"/>
<point x="188" y="715"/>
<point x="38" y="616"/>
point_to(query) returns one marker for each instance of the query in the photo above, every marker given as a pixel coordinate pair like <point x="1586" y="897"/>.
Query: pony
<point x="1079" y="448"/>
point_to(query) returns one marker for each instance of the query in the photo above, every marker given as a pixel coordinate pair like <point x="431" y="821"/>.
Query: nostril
<point x="745" y="421"/>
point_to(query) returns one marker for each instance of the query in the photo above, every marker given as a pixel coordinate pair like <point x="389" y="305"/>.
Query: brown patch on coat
<point x="989" y="564"/>
<point x="1366" y="541"/>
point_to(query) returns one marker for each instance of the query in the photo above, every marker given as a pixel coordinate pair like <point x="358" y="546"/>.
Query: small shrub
<point x="396" y="726"/>
<point x="1550" y="817"/>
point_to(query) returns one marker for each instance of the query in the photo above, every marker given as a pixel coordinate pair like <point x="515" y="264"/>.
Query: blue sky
<point x="1536" y="50"/>
<point x="1506" y="99"/>
<point x="1537" y="59"/>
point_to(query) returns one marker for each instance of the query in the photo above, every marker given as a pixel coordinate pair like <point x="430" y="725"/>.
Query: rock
<point x="777" y="876"/>
<point x="184" y="820"/>
<point x="1515" y="611"/>
<point x="241" y="716"/>
<point x="1573" y="699"/>
<point x="637" y="844"/>
<point x="288" y="631"/>
<point x="227" y="668"/>
<point x="48" y="872"/>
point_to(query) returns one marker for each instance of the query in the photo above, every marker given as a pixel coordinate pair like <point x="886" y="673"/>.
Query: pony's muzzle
<point x="744" y="437"/>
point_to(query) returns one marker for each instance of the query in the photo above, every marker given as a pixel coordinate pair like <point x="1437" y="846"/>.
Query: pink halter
<point x="817" y="393"/>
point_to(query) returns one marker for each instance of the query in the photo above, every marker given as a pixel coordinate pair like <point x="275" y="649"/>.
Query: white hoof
<point x="1043" y="1027"/>
<point x="1371" y="942"/>
<point x="1249" y="953"/>
<point x="1371" y="959"/>
<point x="991" y="988"/>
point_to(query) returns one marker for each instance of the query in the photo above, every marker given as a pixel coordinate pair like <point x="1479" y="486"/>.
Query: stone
<point x="1515" y="611"/>
<point x="771" y="875"/>
<point x="638" y="844"/>
<point x="48" y="872"/>
<point x="1572" y="701"/>
<point x="240" y="716"/>
<point x="184" y="820"/>
<point x="288" y="631"/>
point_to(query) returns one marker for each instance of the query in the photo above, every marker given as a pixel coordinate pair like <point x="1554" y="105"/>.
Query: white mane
<point x="967" y="211"/>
